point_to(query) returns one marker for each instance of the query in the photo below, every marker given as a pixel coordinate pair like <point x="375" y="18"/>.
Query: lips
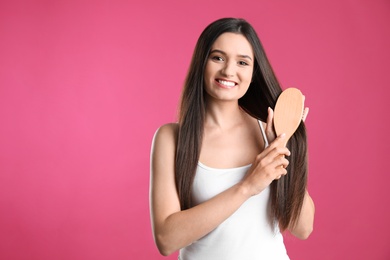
<point x="226" y="83"/>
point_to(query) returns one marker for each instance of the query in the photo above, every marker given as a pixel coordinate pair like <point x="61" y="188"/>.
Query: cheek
<point x="208" y="70"/>
<point x="207" y="75"/>
<point x="247" y="77"/>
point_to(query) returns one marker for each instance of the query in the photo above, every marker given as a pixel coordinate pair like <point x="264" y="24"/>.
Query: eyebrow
<point x="224" y="53"/>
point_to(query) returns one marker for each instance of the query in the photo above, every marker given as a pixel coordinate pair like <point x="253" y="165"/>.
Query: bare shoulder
<point x="166" y="133"/>
<point x="257" y="127"/>
<point x="170" y="128"/>
<point x="255" y="123"/>
<point x="164" y="140"/>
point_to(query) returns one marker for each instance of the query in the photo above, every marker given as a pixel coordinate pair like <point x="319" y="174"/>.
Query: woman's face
<point x="229" y="67"/>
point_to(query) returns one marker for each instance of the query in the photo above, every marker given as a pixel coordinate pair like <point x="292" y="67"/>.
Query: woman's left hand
<point x="269" y="130"/>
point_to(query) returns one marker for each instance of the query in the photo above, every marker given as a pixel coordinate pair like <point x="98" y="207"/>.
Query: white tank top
<point x="248" y="234"/>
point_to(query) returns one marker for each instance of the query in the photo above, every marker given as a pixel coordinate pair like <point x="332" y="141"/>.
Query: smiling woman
<point x="221" y="184"/>
<point x="229" y="67"/>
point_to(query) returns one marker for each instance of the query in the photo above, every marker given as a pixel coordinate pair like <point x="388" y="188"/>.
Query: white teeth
<point x="227" y="83"/>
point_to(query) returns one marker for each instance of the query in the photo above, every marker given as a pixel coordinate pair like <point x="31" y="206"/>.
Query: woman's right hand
<point x="268" y="166"/>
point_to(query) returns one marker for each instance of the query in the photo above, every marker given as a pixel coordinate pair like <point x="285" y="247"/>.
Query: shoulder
<point x="167" y="131"/>
<point x="255" y="121"/>
<point x="260" y="129"/>
<point x="164" y="149"/>
<point x="166" y="135"/>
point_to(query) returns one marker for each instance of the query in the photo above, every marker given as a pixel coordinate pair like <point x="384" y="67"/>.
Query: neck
<point x="223" y="114"/>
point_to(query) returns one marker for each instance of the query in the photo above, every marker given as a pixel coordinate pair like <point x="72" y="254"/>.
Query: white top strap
<point x="263" y="133"/>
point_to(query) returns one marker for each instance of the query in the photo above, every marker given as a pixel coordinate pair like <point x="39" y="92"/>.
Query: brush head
<point x="288" y="112"/>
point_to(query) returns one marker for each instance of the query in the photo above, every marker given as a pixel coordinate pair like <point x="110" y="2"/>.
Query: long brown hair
<point x="288" y="192"/>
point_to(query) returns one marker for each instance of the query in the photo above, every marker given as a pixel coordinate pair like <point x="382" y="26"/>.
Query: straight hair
<point x="288" y="192"/>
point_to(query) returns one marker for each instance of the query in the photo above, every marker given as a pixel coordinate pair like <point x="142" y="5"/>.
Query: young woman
<point x="222" y="185"/>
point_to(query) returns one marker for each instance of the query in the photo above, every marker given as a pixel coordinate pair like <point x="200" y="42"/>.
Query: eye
<point x="217" y="58"/>
<point x="243" y="63"/>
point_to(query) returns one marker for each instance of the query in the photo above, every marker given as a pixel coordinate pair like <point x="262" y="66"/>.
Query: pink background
<point x="84" y="86"/>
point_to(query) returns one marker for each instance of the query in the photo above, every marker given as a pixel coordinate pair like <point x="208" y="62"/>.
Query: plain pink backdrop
<point x="85" y="84"/>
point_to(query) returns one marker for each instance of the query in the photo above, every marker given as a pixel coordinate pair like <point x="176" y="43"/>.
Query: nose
<point x="228" y="70"/>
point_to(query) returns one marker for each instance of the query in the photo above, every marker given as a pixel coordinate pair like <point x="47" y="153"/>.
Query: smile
<point x="225" y="83"/>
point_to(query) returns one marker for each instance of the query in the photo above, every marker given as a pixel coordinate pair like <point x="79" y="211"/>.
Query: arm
<point x="304" y="225"/>
<point x="173" y="228"/>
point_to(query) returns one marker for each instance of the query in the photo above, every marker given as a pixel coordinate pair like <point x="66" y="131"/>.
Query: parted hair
<point x="288" y="192"/>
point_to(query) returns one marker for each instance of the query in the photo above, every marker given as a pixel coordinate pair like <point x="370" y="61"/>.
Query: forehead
<point x="233" y="43"/>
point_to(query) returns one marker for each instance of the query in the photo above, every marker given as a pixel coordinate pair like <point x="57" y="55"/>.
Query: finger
<point x="305" y="113"/>
<point x="280" y="162"/>
<point x="276" y="157"/>
<point x="277" y="142"/>
<point x="281" y="173"/>
<point x="269" y="130"/>
<point x="284" y="162"/>
<point x="272" y="146"/>
<point x="272" y="151"/>
<point x="270" y="118"/>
